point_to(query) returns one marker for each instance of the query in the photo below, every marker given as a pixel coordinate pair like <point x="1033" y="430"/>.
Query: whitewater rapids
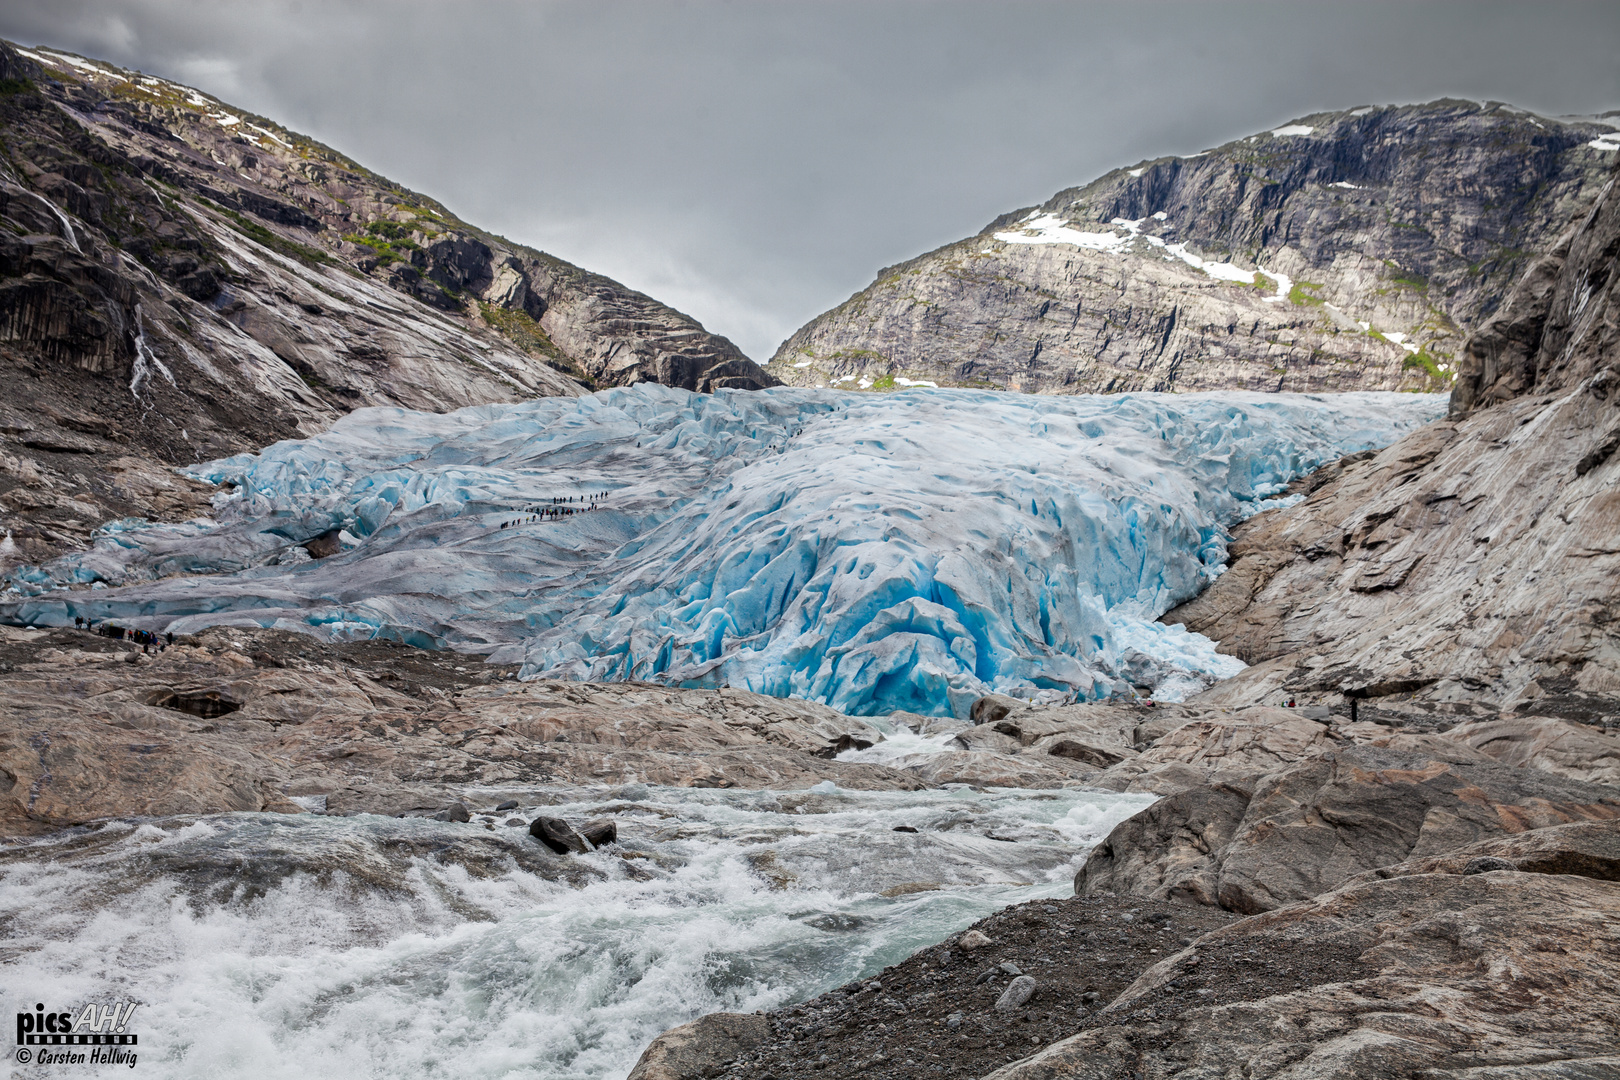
<point x="289" y="946"/>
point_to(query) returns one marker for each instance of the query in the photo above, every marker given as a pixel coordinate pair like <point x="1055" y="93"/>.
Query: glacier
<point x="906" y="551"/>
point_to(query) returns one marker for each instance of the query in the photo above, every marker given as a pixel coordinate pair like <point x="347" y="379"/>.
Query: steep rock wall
<point x="1477" y="561"/>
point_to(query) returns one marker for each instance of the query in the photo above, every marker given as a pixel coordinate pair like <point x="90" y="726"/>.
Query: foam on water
<point x="272" y="946"/>
<point x="909" y="551"/>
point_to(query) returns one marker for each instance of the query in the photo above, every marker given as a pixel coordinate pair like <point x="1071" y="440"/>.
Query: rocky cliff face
<point x="1475" y="561"/>
<point x="180" y="280"/>
<point x="1381" y="236"/>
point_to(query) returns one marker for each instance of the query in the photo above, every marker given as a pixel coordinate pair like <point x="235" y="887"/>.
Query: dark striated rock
<point x="454" y="812"/>
<point x="557" y="835"/>
<point x="1169" y="851"/>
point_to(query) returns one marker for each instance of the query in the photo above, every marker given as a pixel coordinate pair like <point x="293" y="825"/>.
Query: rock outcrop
<point x="1485" y="545"/>
<point x="1444" y="976"/>
<point x="1382" y="235"/>
<point x="181" y="280"/>
<point x="92" y="728"/>
<point x="1305" y="829"/>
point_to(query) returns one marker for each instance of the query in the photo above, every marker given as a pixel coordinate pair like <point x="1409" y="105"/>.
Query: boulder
<point x="1310" y="826"/>
<point x="701" y="1048"/>
<point x="1017" y="994"/>
<point x="454" y="812"/>
<point x="557" y="835"/>
<point x="1089" y="751"/>
<point x="1415" y="976"/>
<point x="1170" y="851"/>
<point x="973" y="939"/>
<point x="599" y="832"/>
<point x="992" y="707"/>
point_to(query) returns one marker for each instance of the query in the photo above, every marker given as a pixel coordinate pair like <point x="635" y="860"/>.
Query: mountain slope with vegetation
<point x="181" y="280"/>
<point x="1347" y="251"/>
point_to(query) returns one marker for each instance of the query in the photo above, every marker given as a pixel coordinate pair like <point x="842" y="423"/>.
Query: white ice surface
<point x="904" y="551"/>
<point x="1606" y="142"/>
<point x="1293" y="129"/>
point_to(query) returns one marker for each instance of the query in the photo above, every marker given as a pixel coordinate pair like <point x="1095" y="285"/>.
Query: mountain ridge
<point x="1381" y="236"/>
<point x="181" y="280"/>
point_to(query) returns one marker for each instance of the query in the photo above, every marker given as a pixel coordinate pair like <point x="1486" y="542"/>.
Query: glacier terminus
<point x="908" y="551"/>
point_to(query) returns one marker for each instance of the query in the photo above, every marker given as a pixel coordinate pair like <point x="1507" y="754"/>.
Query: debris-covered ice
<point x="908" y="551"/>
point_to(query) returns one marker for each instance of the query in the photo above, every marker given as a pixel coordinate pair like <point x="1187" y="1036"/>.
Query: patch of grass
<point x="384" y="250"/>
<point x="1421" y="360"/>
<point x="1299" y="297"/>
<point x="13" y="87"/>
<point x="528" y="335"/>
<point x="392" y="233"/>
<point x="884" y="383"/>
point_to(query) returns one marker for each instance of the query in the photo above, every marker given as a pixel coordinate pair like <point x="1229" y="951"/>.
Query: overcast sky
<point x="754" y="163"/>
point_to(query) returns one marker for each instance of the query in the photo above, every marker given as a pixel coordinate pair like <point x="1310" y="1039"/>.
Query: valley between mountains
<point x="509" y="718"/>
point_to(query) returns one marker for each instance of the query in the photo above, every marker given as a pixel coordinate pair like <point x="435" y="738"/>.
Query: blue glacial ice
<point x="908" y="551"/>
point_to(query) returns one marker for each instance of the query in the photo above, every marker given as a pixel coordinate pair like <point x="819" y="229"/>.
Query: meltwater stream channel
<point x="268" y="945"/>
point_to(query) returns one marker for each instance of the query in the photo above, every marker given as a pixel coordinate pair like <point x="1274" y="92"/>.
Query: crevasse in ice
<point x="904" y="551"/>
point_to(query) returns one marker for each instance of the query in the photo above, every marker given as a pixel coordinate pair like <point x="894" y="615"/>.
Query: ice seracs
<point x="875" y="552"/>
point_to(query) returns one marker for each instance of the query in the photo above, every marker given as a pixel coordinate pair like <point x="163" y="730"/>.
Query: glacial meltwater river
<point x="269" y="945"/>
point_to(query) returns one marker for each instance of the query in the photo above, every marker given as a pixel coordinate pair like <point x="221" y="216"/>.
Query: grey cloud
<point x="755" y="163"/>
